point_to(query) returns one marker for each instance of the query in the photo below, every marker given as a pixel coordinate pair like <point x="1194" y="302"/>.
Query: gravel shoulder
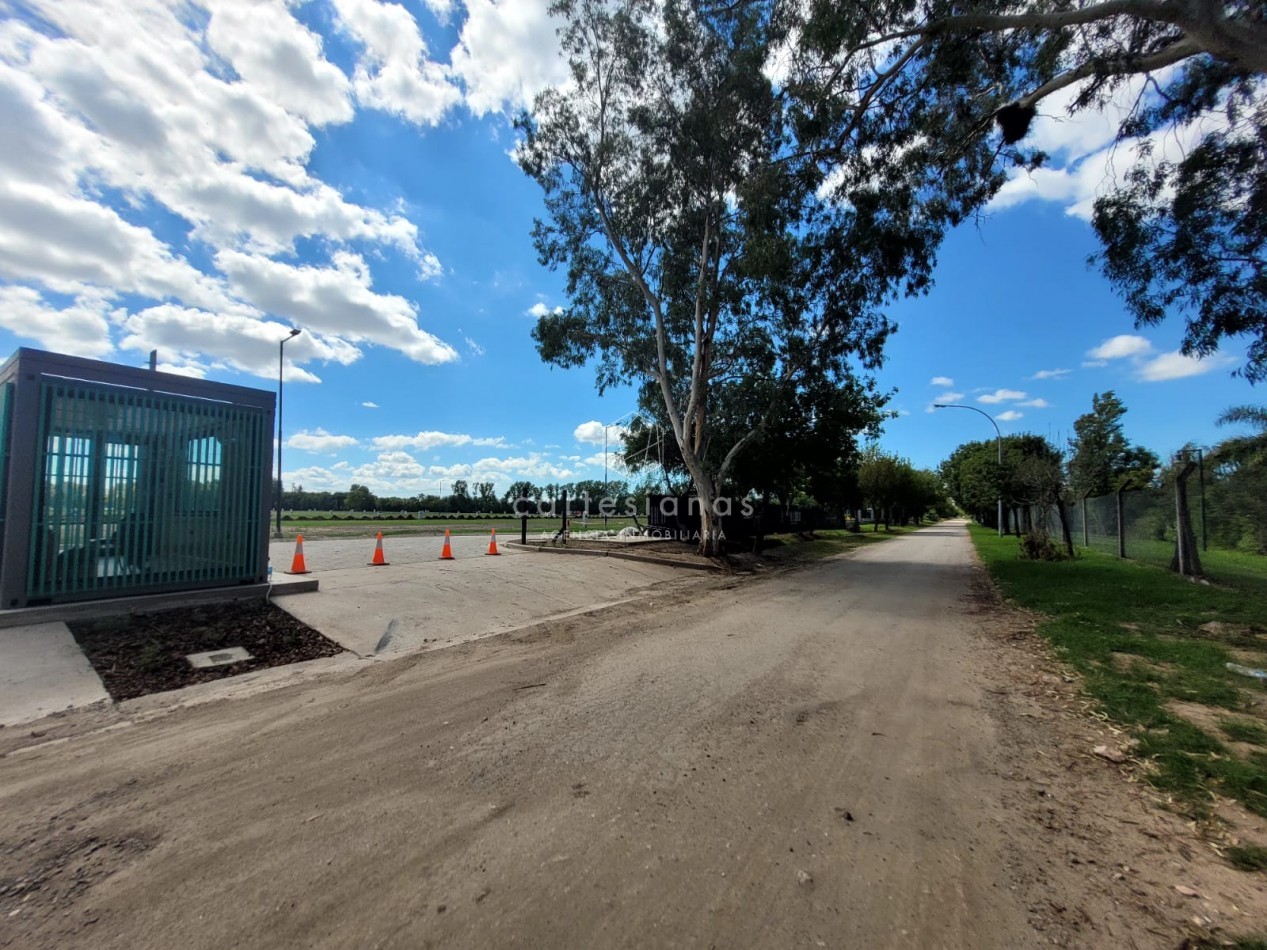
<point x="866" y="752"/>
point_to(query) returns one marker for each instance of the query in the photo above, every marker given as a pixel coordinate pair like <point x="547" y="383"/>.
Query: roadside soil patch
<point x="145" y="653"/>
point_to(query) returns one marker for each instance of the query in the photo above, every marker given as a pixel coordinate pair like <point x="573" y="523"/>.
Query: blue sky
<point x="198" y="178"/>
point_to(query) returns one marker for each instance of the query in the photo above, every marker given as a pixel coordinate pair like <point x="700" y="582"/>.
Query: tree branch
<point x="1118" y="66"/>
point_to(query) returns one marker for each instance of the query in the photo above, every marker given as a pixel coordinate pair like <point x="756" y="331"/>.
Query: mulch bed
<point x="141" y="654"/>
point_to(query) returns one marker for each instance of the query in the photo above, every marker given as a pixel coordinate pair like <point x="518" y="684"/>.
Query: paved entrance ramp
<point x="419" y="601"/>
<point x="42" y="671"/>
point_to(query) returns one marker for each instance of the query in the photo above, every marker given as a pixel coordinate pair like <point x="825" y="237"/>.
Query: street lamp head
<point x="939" y="405"/>
<point x="294" y="333"/>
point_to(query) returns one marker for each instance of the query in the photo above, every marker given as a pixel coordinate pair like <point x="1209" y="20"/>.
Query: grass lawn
<point x="1152" y="649"/>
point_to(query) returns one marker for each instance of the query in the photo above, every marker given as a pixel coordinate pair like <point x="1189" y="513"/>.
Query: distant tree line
<point x="1037" y="475"/>
<point x="466" y="497"/>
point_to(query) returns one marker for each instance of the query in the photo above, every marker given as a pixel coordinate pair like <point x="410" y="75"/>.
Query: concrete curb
<point x="148" y="603"/>
<point x="644" y="558"/>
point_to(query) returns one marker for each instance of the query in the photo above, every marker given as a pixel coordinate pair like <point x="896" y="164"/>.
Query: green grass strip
<point x="1143" y="638"/>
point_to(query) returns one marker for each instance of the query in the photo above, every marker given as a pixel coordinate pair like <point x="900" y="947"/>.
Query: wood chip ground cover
<point x="141" y="654"/>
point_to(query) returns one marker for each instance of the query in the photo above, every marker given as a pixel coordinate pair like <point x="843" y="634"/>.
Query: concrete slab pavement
<point x="416" y="602"/>
<point x="420" y="602"/>
<point x="42" y="671"/>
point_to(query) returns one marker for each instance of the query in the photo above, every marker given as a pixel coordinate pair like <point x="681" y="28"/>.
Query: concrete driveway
<point x="419" y="601"/>
<point x="416" y="602"/>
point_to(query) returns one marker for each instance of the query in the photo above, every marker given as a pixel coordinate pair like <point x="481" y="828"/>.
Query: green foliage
<point x="1237" y="497"/>
<point x="1101" y="460"/>
<point x="1189" y="236"/>
<point x="1031" y="474"/>
<point x="703" y="264"/>
<point x="1100" y="610"/>
<point x="975" y="479"/>
<point x="360" y="498"/>
<point x="1183" y="230"/>
<point x="1238" y="730"/>
<point x="1248" y="857"/>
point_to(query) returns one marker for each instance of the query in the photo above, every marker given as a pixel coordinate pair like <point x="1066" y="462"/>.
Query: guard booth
<point x="117" y="481"/>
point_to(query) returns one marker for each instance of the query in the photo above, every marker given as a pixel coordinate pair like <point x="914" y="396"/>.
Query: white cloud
<point x="320" y="441"/>
<point x="279" y="56"/>
<point x="398" y="473"/>
<point x="192" y="369"/>
<point x="1094" y="364"/>
<point x="1036" y="404"/>
<point x="474" y="347"/>
<point x="508" y="51"/>
<point x="113" y="106"/>
<point x="1175" y="365"/>
<point x="441" y="9"/>
<point x="589" y="432"/>
<point x="72" y="245"/>
<point x="154" y="118"/>
<point x="539" y="310"/>
<point x="1002" y="395"/>
<point x="337" y="301"/>
<point x="395" y="73"/>
<point x="1090" y="158"/>
<point x="944" y="398"/>
<point x="242" y="341"/>
<point x="1051" y="374"/>
<point x="1010" y="415"/>
<point x="941" y="381"/>
<point x="1119" y="347"/>
<point x="81" y="329"/>
<point x="430" y="440"/>
<point x="370" y="405"/>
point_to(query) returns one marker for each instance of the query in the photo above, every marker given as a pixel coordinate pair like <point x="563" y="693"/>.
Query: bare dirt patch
<point x="46" y="874"/>
<point x="1235" y="634"/>
<point x="1130" y="662"/>
<point x="141" y="654"/>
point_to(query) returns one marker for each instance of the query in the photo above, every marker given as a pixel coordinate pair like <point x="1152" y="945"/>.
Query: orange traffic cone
<point x="446" y="553"/>
<point x="492" y="544"/>
<point x="297" y="565"/>
<point x="379" y="560"/>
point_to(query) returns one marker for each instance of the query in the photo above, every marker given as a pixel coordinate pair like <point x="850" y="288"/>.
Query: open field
<point x="1153" y="651"/>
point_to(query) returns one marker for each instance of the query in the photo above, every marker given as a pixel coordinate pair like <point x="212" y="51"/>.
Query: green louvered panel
<point x="143" y="491"/>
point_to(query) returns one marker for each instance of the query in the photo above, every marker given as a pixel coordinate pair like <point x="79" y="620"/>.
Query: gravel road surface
<point x="818" y="758"/>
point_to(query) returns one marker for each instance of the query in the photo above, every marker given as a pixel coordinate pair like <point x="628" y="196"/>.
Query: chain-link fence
<point x="1140" y="525"/>
<point x="1136" y="524"/>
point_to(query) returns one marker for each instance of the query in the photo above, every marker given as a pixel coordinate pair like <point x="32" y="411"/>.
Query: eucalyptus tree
<point x="1101" y="459"/>
<point x="708" y="255"/>
<point x="1183" y="227"/>
<point x="690" y="233"/>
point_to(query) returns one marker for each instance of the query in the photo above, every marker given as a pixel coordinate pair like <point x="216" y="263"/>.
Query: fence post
<point x="1179" y="545"/>
<point x="1121" y="525"/>
<point x="1205" y="538"/>
<point x="1086" y="537"/>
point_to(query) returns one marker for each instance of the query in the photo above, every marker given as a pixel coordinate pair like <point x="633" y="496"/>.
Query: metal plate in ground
<point x="202" y="661"/>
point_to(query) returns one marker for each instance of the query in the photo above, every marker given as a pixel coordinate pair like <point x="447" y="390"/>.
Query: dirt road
<point x="845" y="756"/>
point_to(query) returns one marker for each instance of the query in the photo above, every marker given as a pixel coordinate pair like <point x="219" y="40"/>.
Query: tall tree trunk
<point x="1064" y="525"/>
<point x="1187" y="558"/>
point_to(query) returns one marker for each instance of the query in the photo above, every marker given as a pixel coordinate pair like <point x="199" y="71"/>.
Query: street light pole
<point x="280" y="347"/>
<point x="998" y="445"/>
